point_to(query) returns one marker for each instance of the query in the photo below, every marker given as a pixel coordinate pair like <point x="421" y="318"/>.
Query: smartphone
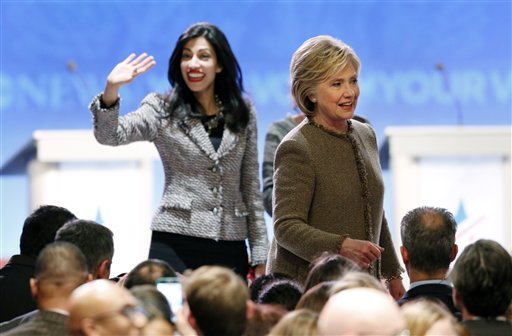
<point x="173" y="292"/>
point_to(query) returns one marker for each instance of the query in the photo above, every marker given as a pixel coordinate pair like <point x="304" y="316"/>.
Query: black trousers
<point x="186" y="252"/>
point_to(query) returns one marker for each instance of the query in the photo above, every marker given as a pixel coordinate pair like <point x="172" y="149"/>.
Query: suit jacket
<point x="15" y="295"/>
<point x="440" y="292"/>
<point x="488" y="327"/>
<point x="327" y="187"/>
<point x="45" y="323"/>
<point x="208" y="193"/>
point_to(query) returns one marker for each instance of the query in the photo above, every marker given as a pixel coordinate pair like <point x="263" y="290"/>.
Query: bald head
<point x="101" y="307"/>
<point x="361" y="311"/>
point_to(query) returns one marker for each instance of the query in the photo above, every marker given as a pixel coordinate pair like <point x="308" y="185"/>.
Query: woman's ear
<point x="312" y="98"/>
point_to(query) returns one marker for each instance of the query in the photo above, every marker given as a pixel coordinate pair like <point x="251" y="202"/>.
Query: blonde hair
<point x="313" y="63"/>
<point x="217" y="298"/>
<point x="421" y="314"/>
<point x="356" y="279"/>
<point x="297" y="322"/>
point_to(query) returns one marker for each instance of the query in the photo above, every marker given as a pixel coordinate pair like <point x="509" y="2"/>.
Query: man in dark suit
<point x="59" y="269"/>
<point x="428" y="248"/>
<point x="482" y="280"/>
<point x="38" y="230"/>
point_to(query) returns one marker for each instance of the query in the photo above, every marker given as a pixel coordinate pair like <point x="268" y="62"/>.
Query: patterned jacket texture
<point x="207" y="193"/>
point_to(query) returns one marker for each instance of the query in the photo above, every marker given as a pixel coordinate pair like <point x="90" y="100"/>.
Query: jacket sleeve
<point x="390" y="264"/>
<point x="251" y="193"/>
<point x="294" y="185"/>
<point x="139" y="125"/>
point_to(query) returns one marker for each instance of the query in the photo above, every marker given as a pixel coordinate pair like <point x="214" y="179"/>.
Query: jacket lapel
<point x="197" y="134"/>
<point x="194" y="129"/>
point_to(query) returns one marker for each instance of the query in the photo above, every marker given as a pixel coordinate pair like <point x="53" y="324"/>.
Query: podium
<point x="110" y="185"/>
<point x="464" y="169"/>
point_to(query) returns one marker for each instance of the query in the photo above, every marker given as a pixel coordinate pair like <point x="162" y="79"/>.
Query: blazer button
<point x="215" y="211"/>
<point x="214" y="169"/>
<point x="215" y="190"/>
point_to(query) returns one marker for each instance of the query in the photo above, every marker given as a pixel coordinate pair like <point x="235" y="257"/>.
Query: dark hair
<point x="61" y="262"/>
<point x="315" y="298"/>
<point x="40" y="227"/>
<point x="228" y="83"/>
<point x="147" y="272"/>
<point x="93" y="239"/>
<point x="328" y="267"/>
<point x="257" y="285"/>
<point x="482" y="276"/>
<point x="285" y="292"/>
<point x="428" y="234"/>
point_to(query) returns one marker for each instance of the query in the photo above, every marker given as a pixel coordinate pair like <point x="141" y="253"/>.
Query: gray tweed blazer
<point x="208" y="193"/>
<point x="327" y="187"/>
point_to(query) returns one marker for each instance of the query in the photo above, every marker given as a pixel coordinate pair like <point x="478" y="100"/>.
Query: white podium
<point x="111" y="185"/>
<point x="464" y="169"/>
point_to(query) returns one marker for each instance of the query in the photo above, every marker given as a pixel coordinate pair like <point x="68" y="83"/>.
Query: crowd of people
<point x="331" y="267"/>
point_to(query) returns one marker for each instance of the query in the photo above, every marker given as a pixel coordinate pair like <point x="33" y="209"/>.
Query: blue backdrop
<point x="55" y="57"/>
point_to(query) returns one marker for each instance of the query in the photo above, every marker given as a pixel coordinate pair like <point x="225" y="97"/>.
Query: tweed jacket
<point x="44" y="323"/>
<point x="327" y="187"/>
<point x="207" y="193"/>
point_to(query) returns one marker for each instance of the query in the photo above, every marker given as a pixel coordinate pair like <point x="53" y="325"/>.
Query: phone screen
<point x="171" y="289"/>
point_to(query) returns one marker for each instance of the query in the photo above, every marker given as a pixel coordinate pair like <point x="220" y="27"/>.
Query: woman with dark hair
<point x="205" y="132"/>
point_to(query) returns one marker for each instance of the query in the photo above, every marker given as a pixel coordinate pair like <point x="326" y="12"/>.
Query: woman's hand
<point x="396" y="288"/>
<point x="362" y="252"/>
<point x="125" y="72"/>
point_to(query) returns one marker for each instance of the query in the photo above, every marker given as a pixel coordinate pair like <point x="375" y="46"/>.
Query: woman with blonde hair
<point x="328" y="186"/>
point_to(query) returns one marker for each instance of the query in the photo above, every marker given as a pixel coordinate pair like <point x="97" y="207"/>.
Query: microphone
<point x="72" y="68"/>
<point x="459" y="115"/>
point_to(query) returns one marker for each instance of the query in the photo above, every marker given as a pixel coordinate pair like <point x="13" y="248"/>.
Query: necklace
<point x="214" y="122"/>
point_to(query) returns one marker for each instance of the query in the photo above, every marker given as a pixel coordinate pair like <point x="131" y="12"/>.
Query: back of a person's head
<point x="153" y="301"/>
<point x="263" y="317"/>
<point x="361" y="311"/>
<point x="482" y="277"/>
<point x="147" y="272"/>
<point x="328" y="267"/>
<point x="356" y="279"/>
<point x="298" y="322"/>
<point x="59" y="269"/>
<point x="285" y="292"/>
<point x="217" y="298"/>
<point x="315" y="298"/>
<point x="257" y="285"/>
<point x="93" y="239"/>
<point x="40" y="227"/>
<point x="426" y="316"/>
<point x="428" y="234"/>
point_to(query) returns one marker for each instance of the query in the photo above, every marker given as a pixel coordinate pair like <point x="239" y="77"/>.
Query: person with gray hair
<point x="328" y="186"/>
<point x="482" y="280"/>
<point x="94" y="240"/>
<point x="428" y="248"/>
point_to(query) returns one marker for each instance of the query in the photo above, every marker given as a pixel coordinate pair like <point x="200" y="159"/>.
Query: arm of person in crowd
<point x="124" y="73"/>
